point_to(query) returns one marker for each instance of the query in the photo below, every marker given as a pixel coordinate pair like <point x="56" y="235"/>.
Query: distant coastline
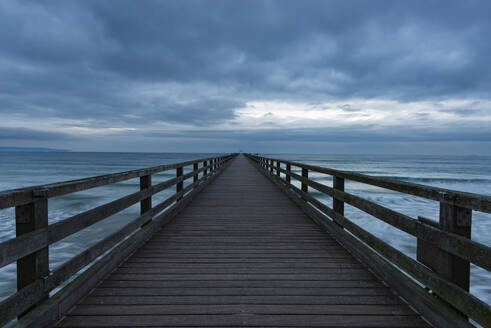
<point x="34" y="149"/>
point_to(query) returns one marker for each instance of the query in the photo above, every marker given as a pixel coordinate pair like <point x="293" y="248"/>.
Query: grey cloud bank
<point x="199" y="75"/>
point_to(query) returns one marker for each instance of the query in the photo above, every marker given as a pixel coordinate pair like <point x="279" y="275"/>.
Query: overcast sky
<point x="403" y="77"/>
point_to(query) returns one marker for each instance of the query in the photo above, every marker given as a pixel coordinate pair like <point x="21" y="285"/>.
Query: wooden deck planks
<point x="242" y="254"/>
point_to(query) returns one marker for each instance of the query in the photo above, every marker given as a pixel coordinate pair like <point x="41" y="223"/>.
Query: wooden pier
<point x="241" y="246"/>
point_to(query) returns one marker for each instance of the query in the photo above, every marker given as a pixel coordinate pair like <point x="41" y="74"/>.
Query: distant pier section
<point x="243" y="242"/>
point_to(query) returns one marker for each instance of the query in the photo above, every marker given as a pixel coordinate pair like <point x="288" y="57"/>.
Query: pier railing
<point x="437" y="283"/>
<point x="30" y="247"/>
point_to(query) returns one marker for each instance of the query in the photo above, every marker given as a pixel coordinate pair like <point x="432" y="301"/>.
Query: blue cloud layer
<point x="94" y="61"/>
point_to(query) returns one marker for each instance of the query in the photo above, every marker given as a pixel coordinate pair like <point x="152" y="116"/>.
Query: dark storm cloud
<point x="94" y="60"/>
<point x="407" y="50"/>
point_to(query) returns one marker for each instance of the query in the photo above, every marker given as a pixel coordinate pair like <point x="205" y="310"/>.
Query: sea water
<point x="22" y="169"/>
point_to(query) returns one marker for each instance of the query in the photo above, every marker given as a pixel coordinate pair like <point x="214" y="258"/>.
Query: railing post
<point x="305" y="174"/>
<point x="179" y="185"/>
<point x="145" y="204"/>
<point x="195" y="169"/>
<point x="288" y="170"/>
<point x="338" y="205"/>
<point x="28" y="218"/>
<point x="278" y="168"/>
<point x="205" y="171"/>
<point x="453" y="219"/>
<point x="457" y="220"/>
<point x="271" y="166"/>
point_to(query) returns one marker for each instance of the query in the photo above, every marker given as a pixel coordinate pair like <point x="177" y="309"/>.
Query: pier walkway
<point x="242" y="254"/>
<point x="244" y="241"/>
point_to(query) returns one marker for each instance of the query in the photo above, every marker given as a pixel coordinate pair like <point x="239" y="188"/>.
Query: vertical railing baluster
<point x="28" y="218"/>
<point x="179" y="185"/>
<point x="305" y="174"/>
<point x="278" y="168"/>
<point x="195" y="170"/>
<point x="146" y="203"/>
<point x="457" y="220"/>
<point x="288" y="171"/>
<point x="205" y="171"/>
<point x="454" y="219"/>
<point x="337" y="204"/>
<point x="271" y="166"/>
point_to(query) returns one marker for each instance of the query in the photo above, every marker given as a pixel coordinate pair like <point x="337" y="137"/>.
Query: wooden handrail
<point x="448" y="242"/>
<point x="16" y="197"/>
<point x="468" y="200"/>
<point x="35" y="285"/>
<point x="15" y="248"/>
<point x="465" y="248"/>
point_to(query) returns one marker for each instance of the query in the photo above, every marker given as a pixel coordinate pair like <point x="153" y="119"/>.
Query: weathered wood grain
<point x="241" y="254"/>
<point x="244" y="320"/>
<point x="35" y="290"/>
<point x="250" y="308"/>
<point x="465" y="248"/>
<point x="16" y="197"/>
<point x="440" y="313"/>
<point x="464" y="199"/>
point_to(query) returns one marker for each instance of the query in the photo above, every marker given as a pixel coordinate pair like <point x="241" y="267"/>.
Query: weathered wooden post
<point x="278" y="168"/>
<point x="453" y="219"/>
<point x="288" y="170"/>
<point x="195" y="169"/>
<point x="458" y="220"/>
<point x="271" y="166"/>
<point x="205" y="169"/>
<point x="145" y="204"/>
<point x="28" y="218"/>
<point x="305" y="174"/>
<point x="179" y="185"/>
<point x="337" y="204"/>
